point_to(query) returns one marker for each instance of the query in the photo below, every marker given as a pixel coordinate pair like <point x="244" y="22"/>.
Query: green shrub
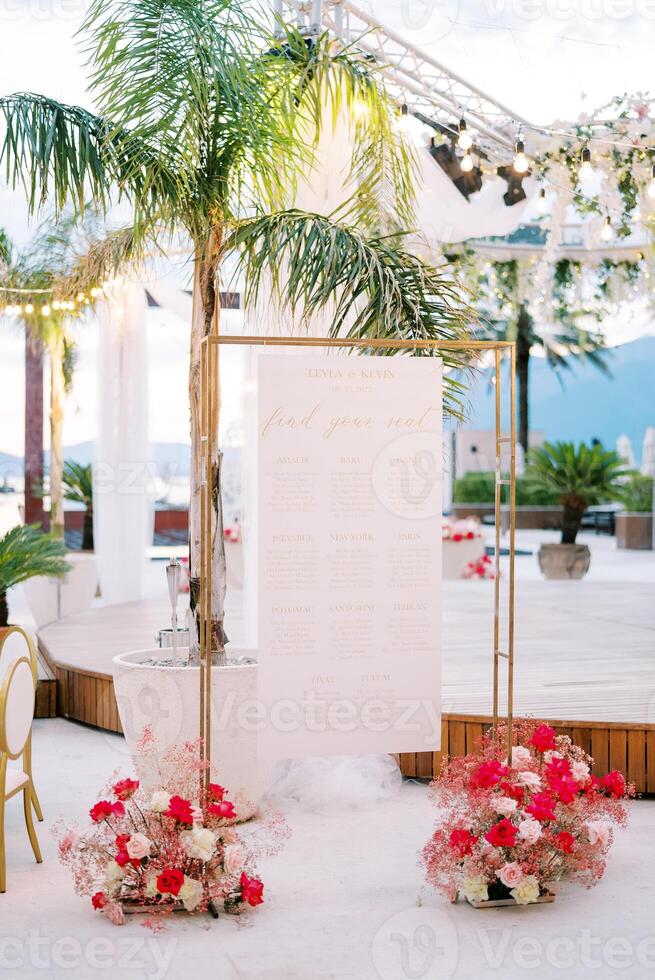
<point x="637" y="494"/>
<point x="478" y="488"/>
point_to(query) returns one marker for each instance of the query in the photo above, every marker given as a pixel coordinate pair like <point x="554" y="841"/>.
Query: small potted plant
<point x="578" y="476"/>
<point x="634" y="524"/>
<point x="25" y="552"/>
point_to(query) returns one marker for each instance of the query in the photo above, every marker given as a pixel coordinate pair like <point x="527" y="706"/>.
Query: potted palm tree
<point x="578" y="476"/>
<point x="26" y="552"/>
<point x="77" y="482"/>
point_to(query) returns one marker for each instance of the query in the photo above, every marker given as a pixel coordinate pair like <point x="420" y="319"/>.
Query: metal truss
<point x="413" y="77"/>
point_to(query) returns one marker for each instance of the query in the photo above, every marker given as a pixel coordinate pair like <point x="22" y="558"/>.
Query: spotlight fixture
<point x="464" y="140"/>
<point x="586" y="169"/>
<point x="521" y="162"/>
<point x="514" y="193"/>
<point x="466" y="182"/>
<point x="651" y="187"/>
<point x="607" y="232"/>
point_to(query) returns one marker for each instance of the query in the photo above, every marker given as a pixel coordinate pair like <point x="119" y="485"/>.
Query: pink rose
<point x="504" y="805"/>
<point x="138" y="846"/>
<point x="580" y="772"/>
<point x="598" y="832"/>
<point x="529" y="779"/>
<point x="530" y="831"/>
<point x="521" y="757"/>
<point x="511" y="874"/>
<point x="114" y="913"/>
<point x="233" y="859"/>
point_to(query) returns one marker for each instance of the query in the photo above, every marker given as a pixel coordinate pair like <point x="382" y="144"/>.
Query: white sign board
<point x="349" y="526"/>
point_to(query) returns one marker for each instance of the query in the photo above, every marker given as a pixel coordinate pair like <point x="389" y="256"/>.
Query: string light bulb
<point x="586" y="169"/>
<point x="45" y="310"/>
<point x="650" y="190"/>
<point x="607" y="232"/>
<point x="542" y="204"/>
<point x="95" y="291"/>
<point x="521" y="162"/>
<point x="466" y="163"/>
<point x="29" y="308"/>
<point x="464" y="139"/>
<point x="405" y="123"/>
<point x="80" y="297"/>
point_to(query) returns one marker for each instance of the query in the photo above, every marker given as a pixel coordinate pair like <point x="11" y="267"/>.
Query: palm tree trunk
<point x="56" y="435"/>
<point x="87" y="529"/>
<point x="33" y="457"/>
<point x="4" y="609"/>
<point x="522" y="374"/>
<point x="205" y="319"/>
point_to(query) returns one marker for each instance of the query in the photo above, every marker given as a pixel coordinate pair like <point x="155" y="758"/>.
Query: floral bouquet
<point x="483" y="568"/>
<point x="463" y="530"/>
<point x="164" y="851"/>
<point x="509" y="827"/>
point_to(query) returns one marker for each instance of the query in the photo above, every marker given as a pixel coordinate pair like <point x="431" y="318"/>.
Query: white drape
<point x="122" y="510"/>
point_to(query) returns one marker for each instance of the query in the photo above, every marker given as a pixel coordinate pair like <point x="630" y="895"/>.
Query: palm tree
<point x="206" y="121"/>
<point x="77" y="480"/>
<point x="29" y="279"/>
<point x="506" y="316"/>
<point x="25" y="551"/>
<point x="577" y="476"/>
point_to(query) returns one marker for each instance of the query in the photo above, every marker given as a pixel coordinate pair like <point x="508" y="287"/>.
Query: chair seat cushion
<point x="15" y="779"/>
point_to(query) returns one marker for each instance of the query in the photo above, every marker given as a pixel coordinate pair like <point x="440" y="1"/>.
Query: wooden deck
<point x="585" y="659"/>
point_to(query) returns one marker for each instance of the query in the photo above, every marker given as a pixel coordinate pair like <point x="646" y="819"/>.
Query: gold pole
<point x="202" y="596"/>
<point x="512" y="541"/>
<point x="391" y="344"/>
<point x="497" y="512"/>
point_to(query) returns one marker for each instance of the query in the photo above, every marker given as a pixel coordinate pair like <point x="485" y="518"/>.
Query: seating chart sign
<point x="349" y="574"/>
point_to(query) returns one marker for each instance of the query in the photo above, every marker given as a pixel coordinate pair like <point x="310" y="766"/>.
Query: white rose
<point x="199" y="843"/>
<point x="526" y="891"/>
<point x="139" y="846"/>
<point x="114" y="872"/>
<point x="160" y="801"/>
<point x="529" y="779"/>
<point x="190" y="894"/>
<point x="580" y="772"/>
<point x="530" y="830"/>
<point x="521" y="757"/>
<point x="151" y="887"/>
<point x="505" y="805"/>
<point x="233" y="858"/>
<point x="598" y="832"/>
<point x="552" y="754"/>
<point x="511" y="874"/>
<point x="475" y="889"/>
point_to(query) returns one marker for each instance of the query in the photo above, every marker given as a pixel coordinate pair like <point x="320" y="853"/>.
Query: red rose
<point x="105" y="809"/>
<point x="487" y="774"/>
<point x="99" y="900"/>
<point x="121" y="841"/>
<point x="126" y="788"/>
<point x="170" y="880"/>
<point x="180" y="810"/>
<point x="457" y="536"/>
<point x="558" y="767"/>
<point x="502" y="834"/>
<point x="462" y="840"/>
<point x="469" y="535"/>
<point x="592" y="785"/>
<point x="515" y="792"/>
<point x="543" y="738"/>
<point x="216" y="792"/>
<point x="565" y="789"/>
<point x="564" y="841"/>
<point x="252" y="890"/>
<point x="223" y="809"/>
<point x="614" y="781"/>
<point x="122" y="858"/>
<point x="542" y="807"/>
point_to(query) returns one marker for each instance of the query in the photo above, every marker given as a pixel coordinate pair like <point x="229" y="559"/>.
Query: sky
<point x="545" y="59"/>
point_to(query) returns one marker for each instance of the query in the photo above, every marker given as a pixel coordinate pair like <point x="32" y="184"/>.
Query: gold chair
<point x="16" y="714"/>
<point x="14" y="644"/>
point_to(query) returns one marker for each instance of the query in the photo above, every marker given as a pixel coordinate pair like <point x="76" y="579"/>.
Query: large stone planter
<point x="165" y="699"/>
<point x="457" y="555"/>
<point x="53" y="598"/>
<point x="564" y="561"/>
<point x="634" y="531"/>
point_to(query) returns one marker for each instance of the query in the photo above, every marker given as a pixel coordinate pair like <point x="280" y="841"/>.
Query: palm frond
<point x="25" y="551"/>
<point x="77" y="481"/>
<point x="378" y="290"/>
<point x="591" y="473"/>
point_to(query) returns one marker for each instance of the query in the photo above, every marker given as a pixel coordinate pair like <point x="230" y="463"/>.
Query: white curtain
<point x="123" y="518"/>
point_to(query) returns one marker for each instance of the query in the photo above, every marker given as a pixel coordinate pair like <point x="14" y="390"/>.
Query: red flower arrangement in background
<point x="167" y="849"/>
<point x="508" y="828"/>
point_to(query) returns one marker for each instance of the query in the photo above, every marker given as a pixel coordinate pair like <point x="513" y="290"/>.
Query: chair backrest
<point x="16" y="707"/>
<point x="15" y="644"/>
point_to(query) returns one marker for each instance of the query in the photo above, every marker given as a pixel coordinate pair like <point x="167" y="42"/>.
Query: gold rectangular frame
<point x="209" y="418"/>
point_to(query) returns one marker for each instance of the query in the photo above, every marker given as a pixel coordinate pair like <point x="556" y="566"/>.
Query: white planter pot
<point x="54" y="598"/>
<point x="166" y="700"/>
<point x="457" y="555"/>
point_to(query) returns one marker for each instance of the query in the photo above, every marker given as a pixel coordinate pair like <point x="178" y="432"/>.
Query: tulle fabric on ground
<point x="335" y="782"/>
